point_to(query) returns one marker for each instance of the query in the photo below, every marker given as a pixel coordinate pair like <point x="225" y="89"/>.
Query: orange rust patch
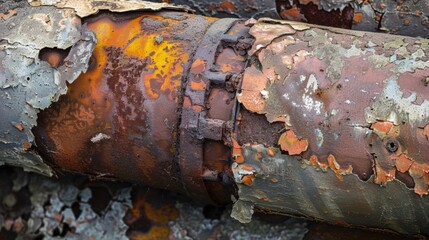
<point x="187" y="102"/>
<point x="357" y="17"/>
<point x="383" y="176"/>
<point x="197" y="108"/>
<point x="19" y="127"/>
<point x="198" y="85"/>
<point x="289" y="142"/>
<point x="246" y="167"/>
<point x="227" y="7"/>
<point x="258" y="156"/>
<point x="382" y="129"/>
<point x="403" y="163"/>
<point x="248" y="179"/>
<point x="254" y="81"/>
<point x="274" y="180"/>
<point x="237" y="153"/>
<point x="271" y="152"/>
<point x="198" y="66"/>
<point x="314" y="161"/>
<point x="27" y="145"/>
<point x="420" y="174"/>
<point x="293" y="14"/>
<point x="336" y="168"/>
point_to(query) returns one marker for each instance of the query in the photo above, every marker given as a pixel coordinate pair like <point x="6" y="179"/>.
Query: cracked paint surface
<point x="360" y="101"/>
<point x="29" y="84"/>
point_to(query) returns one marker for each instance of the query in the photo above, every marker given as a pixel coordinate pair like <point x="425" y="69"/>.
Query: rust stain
<point x="357" y="17"/>
<point x="382" y="129"/>
<point x="198" y="85"/>
<point x="198" y="66"/>
<point x="26" y="145"/>
<point x="271" y="151"/>
<point x="248" y="179"/>
<point x="19" y="126"/>
<point x="289" y="142"/>
<point x="293" y="14"/>
<point x="227" y="7"/>
<point x="246" y="167"/>
<point x="336" y="168"/>
<point x="237" y="151"/>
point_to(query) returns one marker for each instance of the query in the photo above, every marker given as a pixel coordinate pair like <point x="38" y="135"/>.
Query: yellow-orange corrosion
<point x="165" y="57"/>
<point x="289" y="142"/>
<point x="159" y="216"/>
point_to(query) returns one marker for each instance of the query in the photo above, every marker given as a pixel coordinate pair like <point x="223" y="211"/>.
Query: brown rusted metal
<point x="397" y="17"/>
<point x="120" y="118"/>
<point x="131" y="115"/>
<point x="311" y="121"/>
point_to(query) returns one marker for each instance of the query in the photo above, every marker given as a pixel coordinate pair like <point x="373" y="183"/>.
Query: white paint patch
<point x="264" y="94"/>
<point x="319" y="137"/>
<point x="311" y="84"/>
<point x="98" y="137"/>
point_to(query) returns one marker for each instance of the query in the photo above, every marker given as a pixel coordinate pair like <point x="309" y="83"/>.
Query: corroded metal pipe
<point x="299" y="119"/>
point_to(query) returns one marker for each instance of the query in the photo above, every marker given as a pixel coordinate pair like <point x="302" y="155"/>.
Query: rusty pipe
<point x="310" y="120"/>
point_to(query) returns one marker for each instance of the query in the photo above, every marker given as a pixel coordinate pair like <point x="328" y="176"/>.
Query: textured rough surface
<point x="233" y="8"/>
<point x="33" y="206"/>
<point x="396" y="17"/>
<point x="354" y="108"/>
<point x="29" y="84"/>
<point x="86" y="8"/>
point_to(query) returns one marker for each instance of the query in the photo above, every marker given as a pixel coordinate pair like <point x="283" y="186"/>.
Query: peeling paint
<point x="29" y="84"/>
<point x="86" y="8"/>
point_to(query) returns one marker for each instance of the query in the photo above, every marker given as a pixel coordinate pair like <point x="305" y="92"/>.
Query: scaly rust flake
<point x="254" y="82"/>
<point x="248" y="179"/>
<point x="336" y="168"/>
<point x="236" y="151"/>
<point x="265" y="33"/>
<point x="289" y="142"/>
<point x="382" y="129"/>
